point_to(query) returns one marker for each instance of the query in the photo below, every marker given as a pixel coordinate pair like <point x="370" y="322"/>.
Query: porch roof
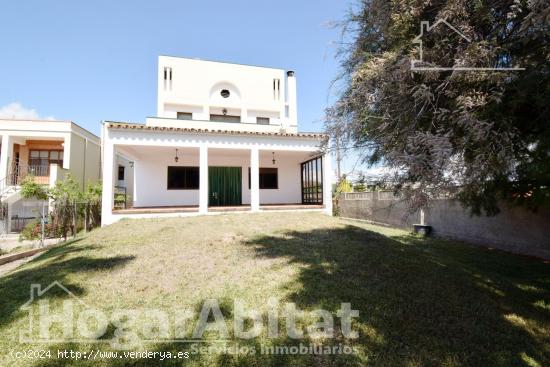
<point x="134" y="126"/>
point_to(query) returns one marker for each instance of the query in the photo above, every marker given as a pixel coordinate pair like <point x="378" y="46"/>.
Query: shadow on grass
<point x="53" y="265"/>
<point x="422" y="302"/>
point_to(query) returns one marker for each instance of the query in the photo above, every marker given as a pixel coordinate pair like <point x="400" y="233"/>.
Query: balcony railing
<point x="20" y="171"/>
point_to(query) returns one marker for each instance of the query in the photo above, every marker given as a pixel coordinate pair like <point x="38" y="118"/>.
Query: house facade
<point x="48" y="150"/>
<point x="225" y="138"/>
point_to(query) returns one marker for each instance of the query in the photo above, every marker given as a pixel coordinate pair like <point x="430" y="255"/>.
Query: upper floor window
<point x="276" y="89"/>
<point x="185" y="116"/>
<point x="167" y="78"/>
<point x="262" y="120"/>
<point x="45" y="157"/>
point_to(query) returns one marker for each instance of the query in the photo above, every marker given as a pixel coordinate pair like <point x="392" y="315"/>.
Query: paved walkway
<point x="6" y="268"/>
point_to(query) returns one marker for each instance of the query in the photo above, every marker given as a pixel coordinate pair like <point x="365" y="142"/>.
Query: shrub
<point x="31" y="231"/>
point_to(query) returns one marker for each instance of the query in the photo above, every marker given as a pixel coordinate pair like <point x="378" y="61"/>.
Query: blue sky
<point x="88" y="61"/>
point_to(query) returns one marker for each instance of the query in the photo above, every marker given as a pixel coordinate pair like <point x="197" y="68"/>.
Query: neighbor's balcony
<point x="19" y="172"/>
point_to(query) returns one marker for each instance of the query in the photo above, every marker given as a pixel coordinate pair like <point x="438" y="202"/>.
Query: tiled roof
<point x="132" y="126"/>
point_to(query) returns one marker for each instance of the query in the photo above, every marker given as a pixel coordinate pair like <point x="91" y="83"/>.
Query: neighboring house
<point x="48" y="150"/>
<point x="225" y="139"/>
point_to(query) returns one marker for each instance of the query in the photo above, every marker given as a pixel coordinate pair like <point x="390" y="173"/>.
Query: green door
<point x="224" y="186"/>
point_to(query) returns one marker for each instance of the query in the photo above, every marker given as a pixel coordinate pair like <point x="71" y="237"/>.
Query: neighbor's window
<point x="183" y="178"/>
<point x="185" y="116"/>
<point x="121" y="173"/>
<point x="262" y="120"/>
<point x="268" y="178"/>
<point x="45" y="157"/>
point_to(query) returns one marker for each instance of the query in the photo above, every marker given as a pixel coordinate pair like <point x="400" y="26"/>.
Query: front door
<point x="224" y="186"/>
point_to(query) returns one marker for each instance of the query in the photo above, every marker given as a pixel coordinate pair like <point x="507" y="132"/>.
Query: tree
<point x="479" y="136"/>
<point x="361" y="184"/>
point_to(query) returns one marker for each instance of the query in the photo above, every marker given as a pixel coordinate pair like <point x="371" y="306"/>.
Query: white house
<point x="225" y="139"/>
<point x="48" y="150"/>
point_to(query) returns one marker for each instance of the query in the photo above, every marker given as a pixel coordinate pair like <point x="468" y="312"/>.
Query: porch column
<point x="203" y="179"/>
<point x="254" y="180"/>
<point x="327" y="184"/>
<point x="5" y="155"/>
<point x="107" y="198"/>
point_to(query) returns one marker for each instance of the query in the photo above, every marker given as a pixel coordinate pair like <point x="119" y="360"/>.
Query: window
<point x="225" y="93"/>
<point x="121" y="173"/>
<point x="276" y="89"/>
<point x="185" y="116"/>
<point x="268" y="178"/>
<point x="183" y="178"/>
<point x="262" y="120"/>
<point x="225" y="118"/>
<point x="167" y="78"/>
<point x="45" y="157"/>
<point x="312" y="181"/>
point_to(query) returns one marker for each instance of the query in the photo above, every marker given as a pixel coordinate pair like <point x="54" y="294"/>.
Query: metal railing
<point x="120" y="197"/>
<point x="18" y="172"/>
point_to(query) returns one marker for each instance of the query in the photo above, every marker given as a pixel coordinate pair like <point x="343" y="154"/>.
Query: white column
<point x="254" y="179"/>
<point x="107" y="198"/>
<point x="203" y="179"/>
<point x="327" y="184"/>
<point x="5" y="155"/>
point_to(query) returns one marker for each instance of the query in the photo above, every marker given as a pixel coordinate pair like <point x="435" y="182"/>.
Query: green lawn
<point x="421" y="301"/>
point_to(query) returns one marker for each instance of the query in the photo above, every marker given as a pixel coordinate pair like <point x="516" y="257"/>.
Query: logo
<point x="419" y="65"/>
<point x="57" y="315"/>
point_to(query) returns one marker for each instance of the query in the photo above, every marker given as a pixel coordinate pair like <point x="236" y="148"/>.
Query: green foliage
<point x="73" y="209"/>
<point x="481" y="136"/>
<point x="30" y="189"/>
<point x="31" y="231"/>
<point x="361" y="184"/>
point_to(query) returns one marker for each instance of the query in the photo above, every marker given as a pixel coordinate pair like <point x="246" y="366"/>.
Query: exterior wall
<point x="128" y="181"/>
<point x="196" y="84"/>
<point x="85" y="160"/>
<point x="151" y="179"/>
<point x="514" y="229"/>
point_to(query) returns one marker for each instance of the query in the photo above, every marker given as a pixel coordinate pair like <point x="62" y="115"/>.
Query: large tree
<point x="480" y="136"/>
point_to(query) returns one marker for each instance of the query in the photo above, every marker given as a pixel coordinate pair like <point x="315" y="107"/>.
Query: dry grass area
<point x="421" y="301"/>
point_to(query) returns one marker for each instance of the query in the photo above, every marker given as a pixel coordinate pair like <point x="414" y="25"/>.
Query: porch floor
<point x="212" y="209"/>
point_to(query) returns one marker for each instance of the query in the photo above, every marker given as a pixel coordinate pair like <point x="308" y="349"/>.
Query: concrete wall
<point x="514" y="229"/>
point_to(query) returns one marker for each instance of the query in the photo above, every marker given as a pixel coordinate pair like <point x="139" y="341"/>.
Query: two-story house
<point x="47" y="150"/>
<point x="225" y="138"/>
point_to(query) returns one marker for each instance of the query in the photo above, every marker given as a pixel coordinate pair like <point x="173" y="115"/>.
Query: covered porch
<point x="179" y="179"/>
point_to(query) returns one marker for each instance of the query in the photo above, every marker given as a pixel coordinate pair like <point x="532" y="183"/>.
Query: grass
<point x="422" y="302"/>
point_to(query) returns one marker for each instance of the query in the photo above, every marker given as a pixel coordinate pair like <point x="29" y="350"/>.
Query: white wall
<point x="151" y="177"/>
<point x="196" y="86"/>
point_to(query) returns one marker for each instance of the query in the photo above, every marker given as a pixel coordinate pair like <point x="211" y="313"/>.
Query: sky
<point x="88" y="61"/>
